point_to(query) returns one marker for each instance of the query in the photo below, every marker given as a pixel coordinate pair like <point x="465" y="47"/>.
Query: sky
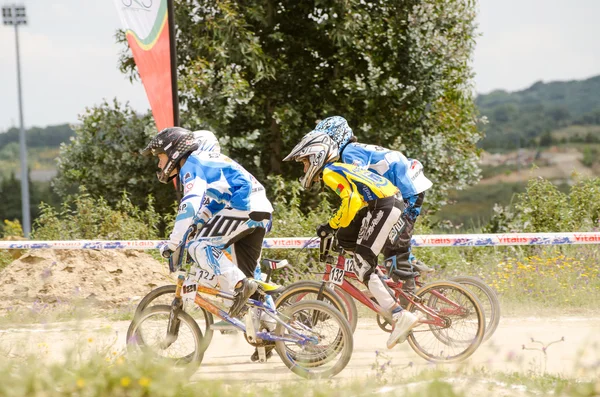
<point x="69" y="56"/>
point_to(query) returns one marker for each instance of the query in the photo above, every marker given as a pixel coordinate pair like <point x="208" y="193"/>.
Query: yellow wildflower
<point x="144" y="382"/>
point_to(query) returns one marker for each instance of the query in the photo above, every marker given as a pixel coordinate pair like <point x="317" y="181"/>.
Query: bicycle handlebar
<point x="176" y="257"/>
<point x="327" y="246"/>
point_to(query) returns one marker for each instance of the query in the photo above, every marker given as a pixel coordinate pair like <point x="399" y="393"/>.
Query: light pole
<point x="15" y="15"/>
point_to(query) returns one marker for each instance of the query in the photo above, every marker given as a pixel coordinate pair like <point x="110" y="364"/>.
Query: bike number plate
<point x="188" y="292"/>
<point x="337" y="276"/>
<point x="349" y="265"/>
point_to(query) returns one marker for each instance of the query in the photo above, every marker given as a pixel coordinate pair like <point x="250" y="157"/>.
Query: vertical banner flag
<point x="149" y="28"/>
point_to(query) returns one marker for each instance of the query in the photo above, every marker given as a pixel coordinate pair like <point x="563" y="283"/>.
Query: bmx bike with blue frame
<point x="312" y="338"/>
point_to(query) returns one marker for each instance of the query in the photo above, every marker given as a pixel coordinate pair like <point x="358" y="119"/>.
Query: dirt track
<point x="228" y="356"/>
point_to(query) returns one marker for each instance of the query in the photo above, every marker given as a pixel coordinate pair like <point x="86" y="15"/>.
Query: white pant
<point x="215" y="267"/>
<point x="207" y="251"/>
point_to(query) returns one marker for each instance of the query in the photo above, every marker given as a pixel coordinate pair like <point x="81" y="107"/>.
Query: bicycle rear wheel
<point x="463" y="328"/>
<point x="149" y="336"/>
<point x="332" y="343"/>
<point x="488" y="299"/>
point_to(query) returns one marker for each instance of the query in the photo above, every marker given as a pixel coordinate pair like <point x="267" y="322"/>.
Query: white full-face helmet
<point x="207" y="141"/>
<point x="314" y="150"/>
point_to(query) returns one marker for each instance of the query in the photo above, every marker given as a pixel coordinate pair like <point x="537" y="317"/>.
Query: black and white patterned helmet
<point x="176" y="143"/>
<point x="319" y="149"/>
<point x="337" y="128"/>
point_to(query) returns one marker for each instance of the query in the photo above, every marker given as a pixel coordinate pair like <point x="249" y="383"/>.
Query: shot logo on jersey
<point x="219" y="226"/>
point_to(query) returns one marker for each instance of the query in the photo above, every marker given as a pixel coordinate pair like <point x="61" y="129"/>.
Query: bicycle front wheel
<point x="330" y="344"/>
<point x="313" y="290"/>
<point x="164" y="296"/>
<point x="149" y="336"/>
<point x="454" y="327"/>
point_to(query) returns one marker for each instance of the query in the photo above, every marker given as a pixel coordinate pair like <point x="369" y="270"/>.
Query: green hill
<point x="50" y="136"/>
<point x="527" y="118"/>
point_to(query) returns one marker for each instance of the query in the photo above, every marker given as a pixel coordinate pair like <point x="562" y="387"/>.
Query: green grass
<point x="5" y="259"/>
<point x="107" y="374"/>
<point x="73" y="310"/>
<point x="527" y="278"/>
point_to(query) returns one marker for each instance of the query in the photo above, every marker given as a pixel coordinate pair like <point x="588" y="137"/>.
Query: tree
<point x="262" y="73"/>
<point x="104" y="157"/>
<point x="10" y="197"/>
<point x="52" y="135"/>
<point x="546" y="139"/>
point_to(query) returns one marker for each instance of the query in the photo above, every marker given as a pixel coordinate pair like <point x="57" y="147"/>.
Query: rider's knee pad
<point x="362" y="268"/>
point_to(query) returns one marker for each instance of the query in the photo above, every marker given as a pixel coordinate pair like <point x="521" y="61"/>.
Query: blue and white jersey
<point x="212" y="181"/>
<point x="406" y="174"/>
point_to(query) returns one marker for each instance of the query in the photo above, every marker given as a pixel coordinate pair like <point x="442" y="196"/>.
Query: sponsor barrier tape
<point x="431" y="240"/>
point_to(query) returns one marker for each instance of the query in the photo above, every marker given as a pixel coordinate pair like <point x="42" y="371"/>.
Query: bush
<point x="589" y="156"/>
<point x="584" y="200"/>
<point x="86" y="217"/>
<point x="12" y="229"/>
<point x="104" y="157"/>
<point x="544" y="208"/>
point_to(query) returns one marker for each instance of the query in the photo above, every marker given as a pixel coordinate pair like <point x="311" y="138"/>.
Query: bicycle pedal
<point x="261" y="354"/>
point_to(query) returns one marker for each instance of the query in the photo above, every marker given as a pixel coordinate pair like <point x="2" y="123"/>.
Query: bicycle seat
<point x="274" y="264"/>
<point x="269" y="289"/>
<point x="405" y="274"/>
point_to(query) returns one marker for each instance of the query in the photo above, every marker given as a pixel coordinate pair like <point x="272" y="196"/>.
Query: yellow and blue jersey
<point x="356" y="186"/>
<point x="406" y="174"/>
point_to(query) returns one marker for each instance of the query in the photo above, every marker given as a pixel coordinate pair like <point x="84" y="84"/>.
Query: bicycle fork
<point x="174" y="321"/>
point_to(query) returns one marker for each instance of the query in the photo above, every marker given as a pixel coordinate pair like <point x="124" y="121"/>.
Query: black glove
<point x="324" y="230"/>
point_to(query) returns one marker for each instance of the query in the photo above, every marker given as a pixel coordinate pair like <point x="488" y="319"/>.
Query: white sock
<point x="380" y="292"/>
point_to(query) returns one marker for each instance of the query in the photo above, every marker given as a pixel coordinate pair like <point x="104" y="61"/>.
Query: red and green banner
<point x="149" y="29"/>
